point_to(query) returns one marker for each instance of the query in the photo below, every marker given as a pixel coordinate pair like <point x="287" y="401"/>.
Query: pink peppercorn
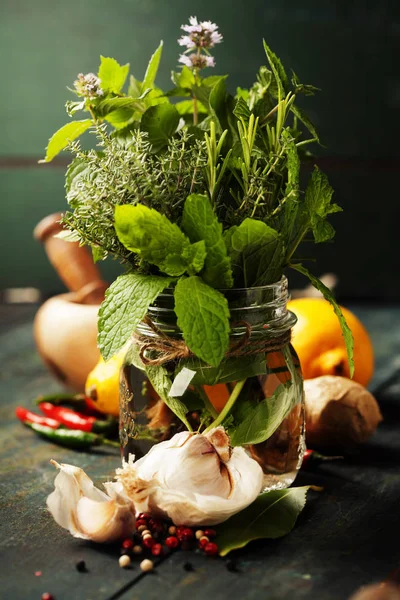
<point x="156" y="550"/>
<point x="210" y="533"/>
<point x="140" y="522"/>
<point x="185" y="534"/>
<point x="148" y="542"/>
<point x="47" y="596"/>
<point x="127" y="544"/>
<point x="211" y="548"/>
<point x="172" y="542"/>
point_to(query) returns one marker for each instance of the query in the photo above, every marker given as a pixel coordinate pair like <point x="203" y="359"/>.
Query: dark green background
<point x="350" y="49"/>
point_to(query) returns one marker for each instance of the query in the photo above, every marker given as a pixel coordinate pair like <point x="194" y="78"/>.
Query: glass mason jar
<point x="259" y="380"/>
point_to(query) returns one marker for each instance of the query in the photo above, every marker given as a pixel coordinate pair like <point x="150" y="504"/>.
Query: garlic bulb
<point x="87" y="512"/>
<point x="193" y="479"/>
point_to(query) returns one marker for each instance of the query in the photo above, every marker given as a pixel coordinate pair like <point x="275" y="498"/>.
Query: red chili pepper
<point x="67" y="416"/>
<point x="314" y="456"/>
<point x="26" y="416"/>
<point x="76" y="420"/>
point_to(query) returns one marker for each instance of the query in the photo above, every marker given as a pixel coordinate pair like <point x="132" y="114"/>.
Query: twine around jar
<point x="170" y="349"/>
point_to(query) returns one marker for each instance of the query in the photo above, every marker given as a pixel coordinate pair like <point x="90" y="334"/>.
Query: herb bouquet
<point x="200" y="199"/>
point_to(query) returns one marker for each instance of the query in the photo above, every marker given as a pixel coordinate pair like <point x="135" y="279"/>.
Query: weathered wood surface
<point x="346" y="536"/>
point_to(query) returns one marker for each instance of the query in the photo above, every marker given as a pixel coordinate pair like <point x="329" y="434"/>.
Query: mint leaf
<point x="112" y="75"/>
<point x="152" y="68"/>
<point x="255" y="421"/>
<point x="185" y="107"/>
<point x="125" y="305"/>
<point x="160" y="122"/>
<point x="156" y="239"/>
<point x="326" y="292"/>
<point x="272" y="515"/>
<point x="241" y="110"/>
<point x="61" y="138"/>
<point x="183" y="79"/>
<point x="203" y="317"/>
<point x="200" y="223"/>
<point x="301" y="115"/>
<point x="257" y="253"/>
<point x="231" y="369"/>
<point x="278" y="70"/>
<point x="318" y="199"/>
<point x="161" y="382"/>
<point x="109" y="105"/>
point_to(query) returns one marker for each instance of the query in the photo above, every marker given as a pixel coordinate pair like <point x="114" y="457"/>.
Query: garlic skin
<point x="193" y="479"/>
<point x="87" y="512"/>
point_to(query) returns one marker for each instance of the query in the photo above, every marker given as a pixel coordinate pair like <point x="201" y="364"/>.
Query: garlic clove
<point x="193" y="479"/>
<point x="87" y="512"/>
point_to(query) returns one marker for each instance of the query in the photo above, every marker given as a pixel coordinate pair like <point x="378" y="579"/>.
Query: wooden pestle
<point x="73" y="263"/>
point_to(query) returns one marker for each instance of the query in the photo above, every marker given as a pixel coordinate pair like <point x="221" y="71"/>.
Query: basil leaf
<point x="203" y="317"/>
<point x="326" y="292"/>
<point x="160" y="122"/>
<point x="272" y="515"/>
<point x="200" y="223"/>
<point x="112" y="75"/>
<point x="125" y="305"/>
<point x="66" y="134"/>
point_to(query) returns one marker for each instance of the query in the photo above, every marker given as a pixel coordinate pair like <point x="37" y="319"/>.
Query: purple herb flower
<point x="197" y="61"/>
<point x="200" y="35"/>
<point x="88" y="85"/>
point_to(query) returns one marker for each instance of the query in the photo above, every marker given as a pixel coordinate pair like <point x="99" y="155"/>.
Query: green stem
<point x="203" y="395"/>
<point x="228" y="406"/>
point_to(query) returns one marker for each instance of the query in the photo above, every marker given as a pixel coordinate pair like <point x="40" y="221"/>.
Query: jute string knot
<point x="164" y="349"/>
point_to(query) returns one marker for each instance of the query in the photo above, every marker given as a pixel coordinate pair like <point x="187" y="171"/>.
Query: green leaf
<point x="184" y="79"/>
<point x="135" y="87"/>
<point x="292" y="190"/>
<point x="241" y="110"/>
<point x="272" y="515"/>
<point x="186" y="108"/>
<point x="278" y="70"/>
<point x="109" y="105"/>
<point x="98" y="254"/>
<point x="326" y="292"/>
<point x="156" y="239"/>
<point x="162" y="383"/>
<point x="200" y="223"/>
<point x="61" y="138"/>
<point x="318" y="203"/>
<point x="217" y="98"/>
<point x="203" y="317"/>
<point x="152" y="68"/>
<point x="300" y="114"/>
<point x="160" y="122"/>
<point x="231" y="369"/>
<point x="257" y="253"/>
<point x="255" y="421"/>
<point x="125" y="305"/>
<point x="112" y="75"/>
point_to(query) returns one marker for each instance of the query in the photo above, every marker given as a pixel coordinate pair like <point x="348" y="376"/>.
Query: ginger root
<point x="380" y="591"/>
<point x="340" y="413"/>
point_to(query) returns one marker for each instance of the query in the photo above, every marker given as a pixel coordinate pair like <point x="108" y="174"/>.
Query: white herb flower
<point x="193" y="479"/>
<point x="88" y="85"/>
<point x="201" y="35"/>
<point x="87" y="512"/>
<point x="197" y="61"/>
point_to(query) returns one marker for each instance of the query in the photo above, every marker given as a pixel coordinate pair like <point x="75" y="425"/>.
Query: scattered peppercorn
<point x="148" y="542"/>
<point x="156" y="549"/>
<point x="199" y="534"/>
<point x="185" y="534"/>
<point x="203" y="541"/>
<point x="172" y="542"/>
<point x="146" y="565"/>
<point x="127" y="544"/>
<point x="38" y="573"/>
<point x="47" y="596"/>
<point x="210" y="533"/>
<point x="188" y="566"/>
<point x="141" y="523"/>
<point x="211" y="548"/>
<point x="137" y="549"/>
<point x="145" y="532"/>
<point x="172" y="530"/>
<point x="81" y="566"/>
<point x="124" y="561"/>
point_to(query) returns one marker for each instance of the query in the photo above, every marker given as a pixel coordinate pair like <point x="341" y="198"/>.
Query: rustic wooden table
<point x="347" y="536"/>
